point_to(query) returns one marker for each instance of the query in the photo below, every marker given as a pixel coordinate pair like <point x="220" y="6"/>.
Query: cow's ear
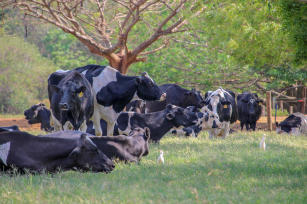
<point x="260" y="101"/>
<point x="147" y="133"/>
<point x="188" y="93"/>
<point x="169" y="107"/>
<point x="207" y="94"/>
<point x="75" y="153"/>
<point x="170" y="116"/>
<point x="85" y="141"/>
<point x="144" y="74"/>
<point x="138" y="80"/>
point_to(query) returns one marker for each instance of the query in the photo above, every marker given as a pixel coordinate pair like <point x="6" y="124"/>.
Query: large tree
<point x="109" y="28"/>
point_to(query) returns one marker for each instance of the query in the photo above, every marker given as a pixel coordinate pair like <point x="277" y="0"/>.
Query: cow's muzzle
<point x="64" y="106"/>
<point x="163" y="97"/>
<point x="214" y="125"/>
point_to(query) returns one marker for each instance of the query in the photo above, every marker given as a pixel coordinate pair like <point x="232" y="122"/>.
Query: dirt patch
<point x="21" y="123"/>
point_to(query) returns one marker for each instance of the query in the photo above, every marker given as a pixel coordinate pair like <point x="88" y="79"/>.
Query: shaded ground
<point x="23" y="124"/>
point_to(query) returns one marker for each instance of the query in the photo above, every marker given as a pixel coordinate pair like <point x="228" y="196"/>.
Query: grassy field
<point x="196" y="170"/>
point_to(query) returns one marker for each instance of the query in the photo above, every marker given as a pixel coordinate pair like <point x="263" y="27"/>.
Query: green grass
<point x="19" y="116"/>
<point x="196" y="170"/>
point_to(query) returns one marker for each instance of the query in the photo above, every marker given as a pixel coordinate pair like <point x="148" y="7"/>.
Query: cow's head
<point x="136" y="106"/>
<point x="88" y="157"/>
<point x="72" y="91"/>
<point x="39" y="114"/>
<point x="180" y="116"/>
<point x="147" y="89"/>
<point x="32" y="113"/>
<point x="194" y="98"/>
<point x="219" y="102"/>
<point x="210" y="119"/>
<point x="141" y="137"/>
<point x="252" y="101"/>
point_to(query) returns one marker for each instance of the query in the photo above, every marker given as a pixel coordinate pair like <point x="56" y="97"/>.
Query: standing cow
<point x="223" y="103"/>
<point x="71" y="100"/>
<point x="113" y="91"/>
<point x="249" y="109"/>
<point x="178" y="96"/>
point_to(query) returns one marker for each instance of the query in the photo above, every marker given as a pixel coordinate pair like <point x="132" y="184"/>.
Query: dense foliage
<point x="23" y="74"/>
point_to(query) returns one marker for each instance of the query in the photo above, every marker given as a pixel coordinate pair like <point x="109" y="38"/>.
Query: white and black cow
<point x="159" y="122"/>
<point x="295" y="124"/>
<point x="249" y="109"/>
<point x="125" y="148"/>
<point x="39" y="113"/>
<point x="223" y="103"/>
<point x="113" y="91"/>
<point x="71" y="100"/>
<point x="206" y="120"/>
<point x="24" y="151"/>
<point x="178" y="96"/>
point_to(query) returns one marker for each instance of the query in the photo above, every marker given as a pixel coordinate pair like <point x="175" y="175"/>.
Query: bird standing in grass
<point x="160" y="158"/>
<point x="262" y="143"/>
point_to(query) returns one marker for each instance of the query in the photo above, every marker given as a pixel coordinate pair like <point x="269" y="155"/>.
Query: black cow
<point x="249" y="109"/>
<point x="223" y="103"/>
<point x="159" y="122"/>
<point x="125" y="148"/>
<point x="25" y="151"/>
<point x="178" y="96"/>
<point x="39" y="113"/>
<point x="9" y="128"/>
<point x="113" y="91"/>
<point x="71" y="100"/>
<point x="295" y="123"/>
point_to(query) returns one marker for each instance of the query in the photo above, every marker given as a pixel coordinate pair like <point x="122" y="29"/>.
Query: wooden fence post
<point x="269" y="110"/>
<point x="304" y="100"/>
<point x="290" y="109"/>
<point x="281" y="106"/>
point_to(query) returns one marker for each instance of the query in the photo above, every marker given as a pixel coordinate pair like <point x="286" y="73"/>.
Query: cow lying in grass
<point x="159" y="122"/>
<point x="9" y="128"/>
<point x="207" y="120"/>
<point x="24" y="151"/>
<point x="125" y="148"/>
<point x="295" y="123"/>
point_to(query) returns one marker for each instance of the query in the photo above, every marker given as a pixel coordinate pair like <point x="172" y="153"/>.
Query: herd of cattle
<point x="98" y="100"/>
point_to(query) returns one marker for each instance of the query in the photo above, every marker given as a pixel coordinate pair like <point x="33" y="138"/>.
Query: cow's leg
<point x="242" y="125"/>
<point x="247" y="125"/>
<point x="211" y="134"/>
<point x="110" y="128"/>
<point x="83" y="126"/>
<point x="226" y="130"/>
<point x="253" y="126"/>
<point x="96" y="124"/>
<point x="55" y="123"/>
